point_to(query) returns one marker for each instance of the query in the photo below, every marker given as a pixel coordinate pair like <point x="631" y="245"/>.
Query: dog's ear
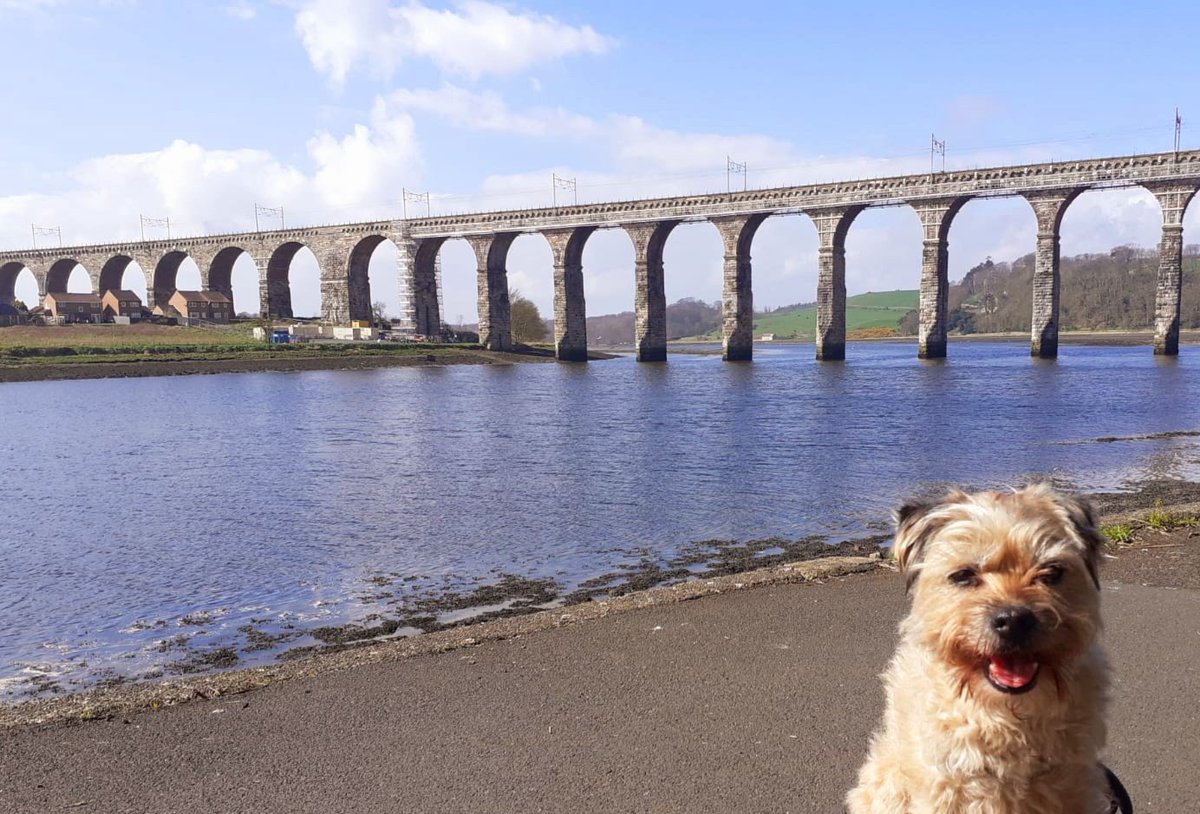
<point x="913" y="531"/>
<point x="1083" y="517"/>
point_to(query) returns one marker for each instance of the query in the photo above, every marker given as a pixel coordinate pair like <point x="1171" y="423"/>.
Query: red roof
<point x="64" y="298"/>
<point x="202" y="296"/>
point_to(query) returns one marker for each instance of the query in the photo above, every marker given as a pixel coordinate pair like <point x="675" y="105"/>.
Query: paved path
<point x="755" y="701"/>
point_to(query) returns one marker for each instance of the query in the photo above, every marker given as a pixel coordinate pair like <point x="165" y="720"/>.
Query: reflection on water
<point x="275" y="499"/>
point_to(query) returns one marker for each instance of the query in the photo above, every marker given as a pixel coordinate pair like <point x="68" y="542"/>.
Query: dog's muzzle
<point x="1013" y="669"/>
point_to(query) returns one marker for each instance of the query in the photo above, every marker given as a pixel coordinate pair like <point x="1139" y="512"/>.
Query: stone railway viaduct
<point x="344" y="251"/>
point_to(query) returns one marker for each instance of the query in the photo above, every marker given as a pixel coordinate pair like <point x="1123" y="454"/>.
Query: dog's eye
<point x="1051" y="574"/>
<point x="965" y="578"/>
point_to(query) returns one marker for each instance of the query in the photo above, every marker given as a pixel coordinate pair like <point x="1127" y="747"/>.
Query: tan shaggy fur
<point x="951" y="742"/>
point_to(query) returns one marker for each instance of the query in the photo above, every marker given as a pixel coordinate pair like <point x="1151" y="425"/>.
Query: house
<point x="10" y="315"/>
<point x="119" y="303"/>
<point x="209" y="306"/>
<point x="767" y="338"/>
<point x="73" y="307"/>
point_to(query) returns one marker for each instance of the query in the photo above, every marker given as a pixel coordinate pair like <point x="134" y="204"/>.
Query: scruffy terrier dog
<point x="997" y="692"/>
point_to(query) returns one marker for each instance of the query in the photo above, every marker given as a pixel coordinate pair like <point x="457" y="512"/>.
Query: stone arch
<point x="608" y="254"/>
<point x="10" y="272"/>
<point x="650" y="300"/>
<point x="425" y="304"/>
<point x="790" y="239"/>
<point x="1085" y="227"/>
<point x="165" y="273"/>
<point x="220" y="270"/>
<point x="1050" y="206"/>
<point x="1002" y="229"/>
<point x="59" y="275"/>
<point x="570" y="302"/>
<point x="358" y="275"/>
<point x="736" y="233"/>
<point x="279" y="283"/>
<point x="695" y="247"/>
<point x="112" y="273"/>
<point x="531" y="271"/>
<point x="833" y="224"/>
<point x="219" y="275"/>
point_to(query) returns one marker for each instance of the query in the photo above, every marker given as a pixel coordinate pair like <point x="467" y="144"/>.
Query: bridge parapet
<point x="891" y="191"/>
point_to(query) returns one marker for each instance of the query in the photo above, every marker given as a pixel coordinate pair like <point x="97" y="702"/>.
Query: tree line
<point x="1099" y="292"/>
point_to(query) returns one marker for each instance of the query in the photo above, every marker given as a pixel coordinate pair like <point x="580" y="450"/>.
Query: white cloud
<point x="27" y="5"/>
<point x="204" y="191"/>
<point x="476" y="38"/>
<point x="368" y="166"/>
<point x="241" y="10"/>
<point x="487" y="110"/>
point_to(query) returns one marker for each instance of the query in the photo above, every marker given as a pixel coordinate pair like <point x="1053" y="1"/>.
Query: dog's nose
<point x="1014" y="625"/>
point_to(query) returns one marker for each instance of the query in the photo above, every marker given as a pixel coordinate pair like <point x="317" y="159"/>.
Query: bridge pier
<point x="933" y="308"/>
<point x="277" y="291"/>
<point x="279" y="298"/>
<point x="1173" y="198"/>
<point x="264" y="295"/>
<point x="570" y="307"/>
<point x="1048" y="208"/>
<point x="650" y="296"/>
<point x="737" y="298"/>
<point x="495" y="312"/>
<point x="832" y="225"/>
<point x="418" y="259"/>
<point x="357" y="284"/>
<point x="337" y="301"/>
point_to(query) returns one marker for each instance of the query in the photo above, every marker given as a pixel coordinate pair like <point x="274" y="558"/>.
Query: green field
<point x="863" y="311"/>
<point x="129" y="338"/>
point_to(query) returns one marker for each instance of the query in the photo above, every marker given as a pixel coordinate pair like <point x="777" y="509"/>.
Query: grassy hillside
<point x="863" y="311"/>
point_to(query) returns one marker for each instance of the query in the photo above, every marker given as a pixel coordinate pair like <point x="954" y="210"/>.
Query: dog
<point x="996" y="694"/>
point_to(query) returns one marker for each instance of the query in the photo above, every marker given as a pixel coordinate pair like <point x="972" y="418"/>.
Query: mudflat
<point x="758" y="700"/>
<point x="258" y="362"/>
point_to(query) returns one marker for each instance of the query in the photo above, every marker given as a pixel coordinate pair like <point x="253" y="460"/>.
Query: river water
<point x="151" y="520"/>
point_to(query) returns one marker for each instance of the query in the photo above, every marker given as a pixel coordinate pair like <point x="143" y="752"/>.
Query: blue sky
<point x="196" y="110"/>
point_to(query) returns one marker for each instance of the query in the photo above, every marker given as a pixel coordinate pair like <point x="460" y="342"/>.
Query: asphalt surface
<point x="760" y="700"/>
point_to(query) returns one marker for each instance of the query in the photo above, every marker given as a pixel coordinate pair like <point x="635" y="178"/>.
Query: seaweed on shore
<point x="220" y="658"/>
<point x="705" y="559"/>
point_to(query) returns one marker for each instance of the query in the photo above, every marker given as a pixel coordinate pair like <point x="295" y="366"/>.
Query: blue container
<point x="280" y="337"/>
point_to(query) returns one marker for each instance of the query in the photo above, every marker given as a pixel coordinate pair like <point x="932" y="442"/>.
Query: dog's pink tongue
<point x="1013" y="672"/>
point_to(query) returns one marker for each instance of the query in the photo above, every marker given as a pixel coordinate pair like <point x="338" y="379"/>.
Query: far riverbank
<point x="42" y="353"/>
<point x="352" y="357"/>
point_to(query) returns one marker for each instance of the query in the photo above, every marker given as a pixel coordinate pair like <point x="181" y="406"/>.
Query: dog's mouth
<point x="1012" y="674"/>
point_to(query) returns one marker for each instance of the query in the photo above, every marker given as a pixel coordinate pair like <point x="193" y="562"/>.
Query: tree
<point x="527" y="323"/>
<point x="19" y="305"/>
<point x="379" y="313"/>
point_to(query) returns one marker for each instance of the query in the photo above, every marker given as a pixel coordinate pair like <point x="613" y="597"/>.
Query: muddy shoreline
<point x="291" y="362"/>
<point x="525" y="605"/>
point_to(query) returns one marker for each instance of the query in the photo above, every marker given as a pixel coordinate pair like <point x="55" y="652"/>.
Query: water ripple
<point x="137" y="505"/>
